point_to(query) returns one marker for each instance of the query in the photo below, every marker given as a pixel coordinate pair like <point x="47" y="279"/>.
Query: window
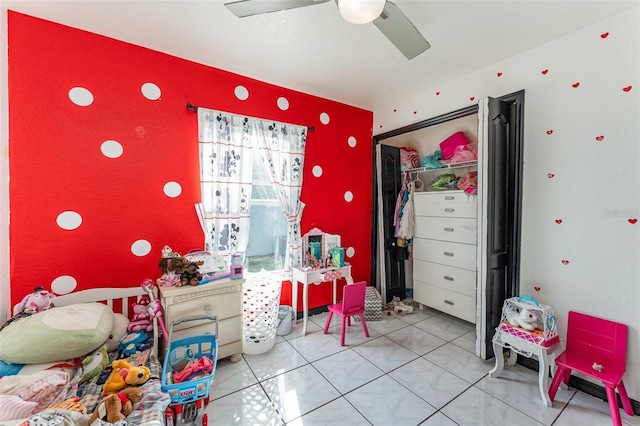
<point x="268" y="225"/>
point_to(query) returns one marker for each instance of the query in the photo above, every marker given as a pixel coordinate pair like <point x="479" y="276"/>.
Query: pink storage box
<point x="449" y="145"/>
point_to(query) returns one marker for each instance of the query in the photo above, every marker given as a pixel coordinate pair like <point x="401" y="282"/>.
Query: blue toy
<point x="131" y="343"/>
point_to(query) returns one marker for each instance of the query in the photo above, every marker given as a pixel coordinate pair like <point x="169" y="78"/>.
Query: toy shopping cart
<point x="187" y="372"/>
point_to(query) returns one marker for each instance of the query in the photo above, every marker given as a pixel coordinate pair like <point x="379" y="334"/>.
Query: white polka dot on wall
<point x="141" y="248"/>
<point x="111" y="149"/>
<point x="150" y="91"/>
<point x="64" y="284"/>
<point x="69" y="220"/>
<point x="324" y="118"/>
<point x="352" y="142"/>
<point x="172" y="189"/>
<point x="317" y="171"/>
<point x="350" y="252"/>
<point x="348" y="196"/>
<point x="283" y="103"/>
<point x="81" y="96"/>
<point x="241" y="93"/>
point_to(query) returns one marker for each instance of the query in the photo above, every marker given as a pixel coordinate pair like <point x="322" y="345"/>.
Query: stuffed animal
<point x="38" y="301"/>
<point x="116" y="407"/>
<point x="133" y="342"/>
<point x="526" y="319"/>
<point x="191" y="274"/>
<point x="119" y="330"/>
<point x="124" y="374"/>
<point x="95" y="364"/>
<point x="142" y="319"/>
<point x="172" y="267"/>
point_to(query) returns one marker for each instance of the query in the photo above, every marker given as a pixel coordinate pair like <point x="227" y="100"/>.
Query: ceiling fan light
<point x="360" y="11"/>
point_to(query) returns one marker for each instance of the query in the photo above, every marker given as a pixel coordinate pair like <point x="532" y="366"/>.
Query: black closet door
<point x="394" y="256"/>
<point x="498" y="213"/>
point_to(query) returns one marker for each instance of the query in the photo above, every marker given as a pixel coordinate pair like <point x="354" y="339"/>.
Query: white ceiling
<point x="313" y="50"/>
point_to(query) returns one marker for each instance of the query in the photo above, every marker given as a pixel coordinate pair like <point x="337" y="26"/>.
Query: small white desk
<point x="546" y="356"/>
<point x="313" y="276"/>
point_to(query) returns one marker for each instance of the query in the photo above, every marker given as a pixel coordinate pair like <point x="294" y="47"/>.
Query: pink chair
<point x="597" y="348"/>
<point x="352" y="304"/>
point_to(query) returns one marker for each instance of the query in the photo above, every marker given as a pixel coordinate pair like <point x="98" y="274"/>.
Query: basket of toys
<point x="190" y="364"/>
<point x="532" y="323"/>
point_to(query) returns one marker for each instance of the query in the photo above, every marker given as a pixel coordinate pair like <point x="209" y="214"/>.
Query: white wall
<point x="595" y="188"/>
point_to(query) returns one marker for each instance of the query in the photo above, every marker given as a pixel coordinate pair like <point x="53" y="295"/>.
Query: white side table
<point x="314" y="276"/>
<point x="545" y="352"/>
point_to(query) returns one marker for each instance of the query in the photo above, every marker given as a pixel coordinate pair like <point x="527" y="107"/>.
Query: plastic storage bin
<point x="285" y="317"/>
<point x="260" y="302"/>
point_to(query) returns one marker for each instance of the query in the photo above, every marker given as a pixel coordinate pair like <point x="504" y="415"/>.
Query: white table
<point x="545" y="354"/>
<point x="314" y="276"/>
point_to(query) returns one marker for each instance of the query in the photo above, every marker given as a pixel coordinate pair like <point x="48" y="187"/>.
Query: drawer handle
<point x="208" y="309"/>
<point x="448" y="229"/>
<point x="448" y="278"/>
<point x="449" y="197"/>
<point x="449" y="210"/>
<point x="448" y="253"/>
<point x="448" y="302"/>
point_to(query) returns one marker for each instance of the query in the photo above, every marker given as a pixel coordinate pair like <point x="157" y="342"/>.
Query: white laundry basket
<point x="260" y="302"/>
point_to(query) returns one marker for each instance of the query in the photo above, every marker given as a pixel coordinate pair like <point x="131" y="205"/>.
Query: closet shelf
<point x="444" y="167"/>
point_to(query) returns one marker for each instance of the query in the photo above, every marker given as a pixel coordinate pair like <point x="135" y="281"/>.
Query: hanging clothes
<point x="405" y="230"/>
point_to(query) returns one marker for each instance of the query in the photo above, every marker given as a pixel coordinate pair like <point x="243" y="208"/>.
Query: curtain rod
<point x="195" y="109"/>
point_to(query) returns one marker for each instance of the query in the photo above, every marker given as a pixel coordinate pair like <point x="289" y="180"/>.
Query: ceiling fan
<point x="384" y="14"/>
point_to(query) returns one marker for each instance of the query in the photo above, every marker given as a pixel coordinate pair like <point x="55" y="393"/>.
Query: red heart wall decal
<point x="395" y="110"/>
<point x="558" y="221"/>
<point x="545" y="71"/>
<point x="633" y="221"/>
<point x="536" y="288"/>
<point x="549" y="132"/>
<point x="627" y="89"/>
<point x="604" y="35"/>
<point x="437" y="93"/>
<point x="575" y="85"/>
<point x="550" y="175"/>
<point x="599" y="138"/>
<point x="415" y="112"/>
<point x="472" y="98"/>
<point x="499" y="74"/>
<point x="565" y="262"/>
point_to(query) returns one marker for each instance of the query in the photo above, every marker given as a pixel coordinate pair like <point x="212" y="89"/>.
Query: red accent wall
<point x="85" y="216"/>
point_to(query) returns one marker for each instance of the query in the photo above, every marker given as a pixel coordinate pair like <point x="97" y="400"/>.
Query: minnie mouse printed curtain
<point x="228" y="146"/>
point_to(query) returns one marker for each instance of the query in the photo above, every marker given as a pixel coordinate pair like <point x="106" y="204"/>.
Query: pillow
<point x="62" y="332"/>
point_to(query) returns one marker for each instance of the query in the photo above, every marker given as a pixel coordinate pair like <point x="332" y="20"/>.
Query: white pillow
<point x="62" y="332"/>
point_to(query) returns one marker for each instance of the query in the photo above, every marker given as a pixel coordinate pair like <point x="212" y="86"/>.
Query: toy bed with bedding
<point x="67" y="352"/>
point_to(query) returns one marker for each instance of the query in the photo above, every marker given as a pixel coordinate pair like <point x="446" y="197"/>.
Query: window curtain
<point x="281" y="146"/>
<point x="228" y="145"/>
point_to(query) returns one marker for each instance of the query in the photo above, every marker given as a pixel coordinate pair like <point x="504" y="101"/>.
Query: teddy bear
<point x="113" y="408"/>
<point x="172" y="268"/>
<point x="38" y="301"/>
<point x="191" y="274"/>
<point x="124" y="374"/>
<point x="526" y="319"/>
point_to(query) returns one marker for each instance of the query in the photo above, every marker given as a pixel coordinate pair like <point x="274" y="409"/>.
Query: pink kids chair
<point x="597" y="348"/>
<point x="352" y="304"/>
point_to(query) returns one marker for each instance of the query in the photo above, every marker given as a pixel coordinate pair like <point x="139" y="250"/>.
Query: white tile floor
<point x="414" y="369"/>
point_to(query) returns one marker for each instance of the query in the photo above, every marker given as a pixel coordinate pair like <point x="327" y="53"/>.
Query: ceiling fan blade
<point x="255" y="7"/>
<point x="400" y="31"/>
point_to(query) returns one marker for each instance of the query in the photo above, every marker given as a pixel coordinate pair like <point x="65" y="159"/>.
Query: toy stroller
<point x="187" y="372"/>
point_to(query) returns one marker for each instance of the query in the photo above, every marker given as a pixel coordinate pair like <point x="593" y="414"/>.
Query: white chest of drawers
<point x="221" y="298"/>
<point x="444" y="252"/>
